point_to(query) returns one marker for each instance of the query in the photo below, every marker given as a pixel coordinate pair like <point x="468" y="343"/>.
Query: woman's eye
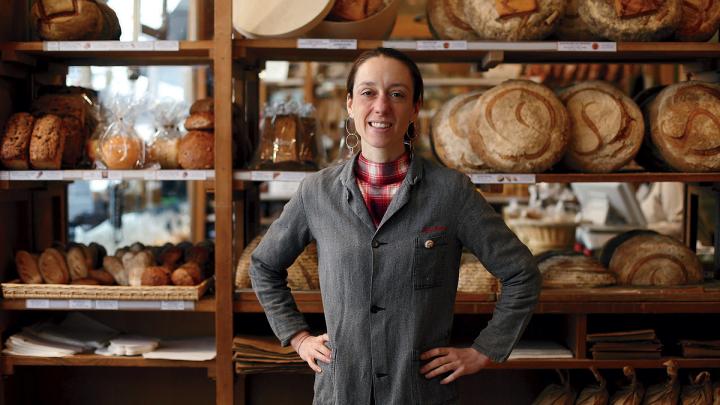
<point x="365" y="93"/>
<point x="397" y="94"/>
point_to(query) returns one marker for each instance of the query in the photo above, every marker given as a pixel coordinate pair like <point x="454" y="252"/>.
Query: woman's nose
<point x="382" y="103"/>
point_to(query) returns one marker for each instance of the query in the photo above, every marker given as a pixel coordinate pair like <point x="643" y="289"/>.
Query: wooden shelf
<point x="111" y="53"/>
<point x="206" y="304"/>
<point x="72" y="175"/>
<point x="613" y="300"/>
<point x="488" y="53"/>
<point x="95" y="360"/>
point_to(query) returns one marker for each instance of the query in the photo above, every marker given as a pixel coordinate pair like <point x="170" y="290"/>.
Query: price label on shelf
<point x="109" y="305"/>
<point x="105" y="46"/>
<point x="4" y="175"/>
<point x="115" y="174"/>
<point x="441" y="45"/>
<point x="315" y="43"/>
<point x="261" y="176"/>
<point x="564" y="46"/>
<point x="37" y="304"/>
<point x="172" y="305"/>
<point x="167" y="45"/>
<point x="80" y="304"/>
<point x="25" y="175"/>
<point x="483" y="178"/>
<point x="149" y="174"/>
<point x="72" y="175"/>
<point x="94" y="174"/>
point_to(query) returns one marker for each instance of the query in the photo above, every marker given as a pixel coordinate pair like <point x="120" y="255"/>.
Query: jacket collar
<point x="354" y="197"/>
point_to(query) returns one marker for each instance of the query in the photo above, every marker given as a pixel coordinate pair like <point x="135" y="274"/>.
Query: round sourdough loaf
<point x="607" y="127"/>
<point x="487" y="23"/>
<point x="700" y="20"/>
<point x="573" y="270"/>
<point x="15" y="144"/>
<point x="601" y="17"/>
<point x="196" y="150"/>
<point x="684" y="125"/>
<point x="654" y="259"/>
<point x="447" y="20"/>
<point x="53" y="267"/>
<point x="27" y="267"/>
<point x="451" y="131"/>
<point x="572" y="27"/>
<point x="520" y="127"/>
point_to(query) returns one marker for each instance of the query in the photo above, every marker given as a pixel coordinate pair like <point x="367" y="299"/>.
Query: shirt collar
<point x="380" y="174"/>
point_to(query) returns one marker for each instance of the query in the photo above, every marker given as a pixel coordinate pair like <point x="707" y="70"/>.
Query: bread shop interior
<point x="146" y="146"/>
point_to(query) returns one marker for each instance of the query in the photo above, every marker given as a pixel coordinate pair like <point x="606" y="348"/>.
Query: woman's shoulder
<point x="324" y="178"/>
<point x="445" y="176"/>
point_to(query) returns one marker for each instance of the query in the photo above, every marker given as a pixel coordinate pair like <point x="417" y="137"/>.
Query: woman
<point x="390" y="228"/>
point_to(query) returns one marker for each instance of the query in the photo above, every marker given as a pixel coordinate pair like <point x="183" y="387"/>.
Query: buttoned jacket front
<point x="388" y="293"/>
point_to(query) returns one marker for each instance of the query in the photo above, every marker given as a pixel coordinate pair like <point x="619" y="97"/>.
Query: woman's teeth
<point x="380" y="124"/>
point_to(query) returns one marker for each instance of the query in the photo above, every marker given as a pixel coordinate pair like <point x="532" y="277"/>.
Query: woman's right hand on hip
<point x="312" y="348"/>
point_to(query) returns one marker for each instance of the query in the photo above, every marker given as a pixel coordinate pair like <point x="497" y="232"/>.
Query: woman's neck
<point x="383" y="155"/>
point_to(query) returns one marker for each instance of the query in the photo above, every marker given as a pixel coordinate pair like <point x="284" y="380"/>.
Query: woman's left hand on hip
<point x="458" y="362"/>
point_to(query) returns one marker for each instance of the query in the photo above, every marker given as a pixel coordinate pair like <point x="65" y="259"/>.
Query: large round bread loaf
<point x="487" y="23"/>
<point x="447" y="20"/>
<point x="601" y="17"/>
<point x="648" y="156"/>
<point x="607" y="127"/>
<point x="684" y="124"/>
<point x="451" y="129"/>
<point x="573" y="270"/>
<point x="521" y="127"/>
<point x="572" y="27"/>
<point x="74" y="20"/>
<point x="700" y="20"/>
<point x="654" y="259"/>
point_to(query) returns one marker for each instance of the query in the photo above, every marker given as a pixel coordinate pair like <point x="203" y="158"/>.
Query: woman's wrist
<point x="297" y="340"/>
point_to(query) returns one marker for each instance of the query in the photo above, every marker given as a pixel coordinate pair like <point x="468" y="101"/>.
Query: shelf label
<point x="31" y="175"/>
<point x="37" y="304"/>
<point x="261" y="176"/>
<point x="94" y="174"/>
<point x="565" y="46"/>
<point x="484" y="178"/>
<point x="110" y="305"/>
<point x="172" y="305"/>
<point x="4" y="176"/>
<point x="115" y="174"/>
<point x="81" y="304"/>
<point x="181" y="175"/>
<point x="441" y="45"/>
<point x="94" y="46"/>
<point x="149" y="174"/>
<point x="315" y="43"/>
<point x="72" y="175"/>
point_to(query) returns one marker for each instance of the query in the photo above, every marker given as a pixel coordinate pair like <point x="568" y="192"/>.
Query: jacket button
<point x="429" y="244"/>
<point x="375" y="244"/>
<point x="375" y="309"/>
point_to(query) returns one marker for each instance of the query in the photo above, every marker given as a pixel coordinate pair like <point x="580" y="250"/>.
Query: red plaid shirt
<point x="378" y="183"/>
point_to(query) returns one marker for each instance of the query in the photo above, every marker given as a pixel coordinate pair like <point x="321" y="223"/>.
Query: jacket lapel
<point x="414" y="174"/>
<point x="353" y="196"/>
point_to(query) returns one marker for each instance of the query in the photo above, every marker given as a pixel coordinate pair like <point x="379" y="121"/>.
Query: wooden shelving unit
<point x="94" y="360"/>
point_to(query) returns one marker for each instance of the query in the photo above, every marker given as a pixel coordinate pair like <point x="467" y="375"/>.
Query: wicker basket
<point x="17" y="290"/>
<point x="302" y="275"/>
<point x="541" y="236"/>
<point x="474" y="278"/>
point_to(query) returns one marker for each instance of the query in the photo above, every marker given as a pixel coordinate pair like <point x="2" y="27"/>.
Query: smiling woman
<point x="390" y="228"/>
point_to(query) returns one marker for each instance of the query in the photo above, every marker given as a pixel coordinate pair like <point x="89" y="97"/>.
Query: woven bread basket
<point x="542" y="236"/>
<point x="302" y="274"/>
<point x="474" y="278"/>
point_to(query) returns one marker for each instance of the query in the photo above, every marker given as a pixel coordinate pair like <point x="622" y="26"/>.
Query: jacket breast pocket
<point x="429" y="262"/>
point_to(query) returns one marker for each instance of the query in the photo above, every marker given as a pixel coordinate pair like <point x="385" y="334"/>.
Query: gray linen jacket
<point x="388" y="293"/>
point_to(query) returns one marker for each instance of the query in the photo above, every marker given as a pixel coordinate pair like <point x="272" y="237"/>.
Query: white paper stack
<point x="129" y="345"/>
<point x="539" y="349"/>
<point x="25" y="344"/>
<point x="194" y="349"/>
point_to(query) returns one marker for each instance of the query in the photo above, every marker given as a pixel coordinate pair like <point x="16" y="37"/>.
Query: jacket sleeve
<point x="484" y="232"/>
<point x="282" y="244"/>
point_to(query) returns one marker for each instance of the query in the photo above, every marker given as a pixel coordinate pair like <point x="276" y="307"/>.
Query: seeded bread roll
<point x="196" y="150"/>
<point x="447" y="20"/>
<point x="47" y="143"/>
<point x="77" y="263"/>
<point x="607" y="127"/>
<point x="27" y="267"/>
<point x="16" y="142"/>
<point x="520" y="127"/>
<point x="53" y="267"/>
<point x="200" y="121"/>
<point x="700" y="20"/>
<point x="485" y="20"/>
<point x="654" y="25"/>
<point x="684" y="120"/>
<point x="451" y="130"/>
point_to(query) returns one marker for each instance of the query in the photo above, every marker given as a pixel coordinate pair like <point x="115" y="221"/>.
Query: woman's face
<point x="382" y="105"/>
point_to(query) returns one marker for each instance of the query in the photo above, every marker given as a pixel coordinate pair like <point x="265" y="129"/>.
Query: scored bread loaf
<point x="47" y="143"/>
<point x="447" y="20"/>
<point x="53" y="267"/>
<point x="16" y="142"/>
<point x="572" y="270"/>
<point x="520" y="126"/>
<point x="700" y="20"/>
<point x="648" y="258"/>
<point x="77" y="263"/>
<point x="659" y="21"/>
<point x="539" y="23"/>
<point x="27" y="267"/>
<point x="451" y="131"/>
<point x="684" y="121"/>
<point x="607" y="127"/>
<point x="66" y="20"/>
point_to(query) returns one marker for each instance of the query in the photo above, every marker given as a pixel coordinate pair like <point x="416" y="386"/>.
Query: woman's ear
<point x="348" y="104"/>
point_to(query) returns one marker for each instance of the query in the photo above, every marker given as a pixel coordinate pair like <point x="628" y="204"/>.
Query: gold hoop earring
<point x="352" y="140"/>
<point x="408" y="140"/>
